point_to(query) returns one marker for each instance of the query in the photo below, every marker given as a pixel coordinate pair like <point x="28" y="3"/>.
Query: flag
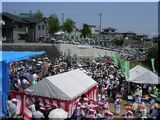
<point x="122" y="66"/>
<point x="126" y="69"/>
<point x="114" y="59"/>
<point x="125" y="66"/>
<point x="153" y="68"/>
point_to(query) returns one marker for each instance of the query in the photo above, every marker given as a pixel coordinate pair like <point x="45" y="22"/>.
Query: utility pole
<point x="62" y="18"/>
<point x="6" y="8"/>
<point x="100" y="22"/>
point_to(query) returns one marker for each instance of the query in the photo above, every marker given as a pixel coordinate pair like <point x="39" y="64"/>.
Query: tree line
<point x="68" y="26"/>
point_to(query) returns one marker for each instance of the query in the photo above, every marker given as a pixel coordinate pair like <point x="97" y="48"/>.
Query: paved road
<point x="72" y="49"/>
<point x="88" y="52"/>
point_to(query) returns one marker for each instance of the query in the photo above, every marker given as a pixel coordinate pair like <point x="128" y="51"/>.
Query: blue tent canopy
<point x="5" y="59"/>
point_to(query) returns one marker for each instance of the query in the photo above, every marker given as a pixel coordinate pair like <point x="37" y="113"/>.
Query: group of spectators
<point x="112" y="86"/>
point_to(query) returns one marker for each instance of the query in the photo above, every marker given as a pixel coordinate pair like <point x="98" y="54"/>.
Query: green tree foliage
<point x="86" y="31"/>
<point x="53" y="24"/>
<point x="38" y="14"/>
<point x="119" y="42"/>
<point x="68" y="25"/>
<point x="152" y="52"/>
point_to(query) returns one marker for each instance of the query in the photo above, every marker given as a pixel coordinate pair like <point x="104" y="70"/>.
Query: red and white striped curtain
<point x="25" y="100"/>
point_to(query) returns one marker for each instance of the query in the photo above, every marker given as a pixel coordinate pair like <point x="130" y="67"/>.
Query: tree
<point x="53" y="24"/>
<point x="38" y="14"/>
<point x="68" y="25"/>
<point x="86" y="31"/>
<point x="119" y="42"/>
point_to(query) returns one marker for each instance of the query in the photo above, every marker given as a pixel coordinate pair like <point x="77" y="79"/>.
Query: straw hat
<point x="157" y="105"/>
<point x="108" y="112"/>
<point x="79" y="104"/>
<point x="130" y="112"/>
<point x="14" y="100"/>
<point x="152" y="95"/>
<point x="86" y="99"/>
<point x="83" y="106"/>
<point x="91" y="110"/>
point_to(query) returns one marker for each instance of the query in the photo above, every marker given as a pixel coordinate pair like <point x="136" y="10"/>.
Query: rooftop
<point x="109" y="28"/>
<point x="13" y="17"/>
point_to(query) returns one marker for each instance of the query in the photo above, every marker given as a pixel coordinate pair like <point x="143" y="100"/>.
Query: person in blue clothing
<point x="154" y="113"/>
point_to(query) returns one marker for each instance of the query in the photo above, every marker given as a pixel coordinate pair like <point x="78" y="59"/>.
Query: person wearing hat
<point x="108" y="115"/>
<point x="12" y="108"/>
<point x="154" y="113"/>
<point x="78" y="109"/>
<point x="91" y="114"/>
<point x="37" y="114"/>
<point x="117" y="105"/>
<point x="128" y="114"/>
<point x="83" y="111"/>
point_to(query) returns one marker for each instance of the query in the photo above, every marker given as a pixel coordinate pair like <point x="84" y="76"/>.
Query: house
<point x="108" y="33"/>
<point x="129" y="35"/>
<point x="119" y="35"/>
<point x="37" y="28"/>
<point x="17" y="29"/>
<point x="93" y="29"/>
<point x="109" y="30"/>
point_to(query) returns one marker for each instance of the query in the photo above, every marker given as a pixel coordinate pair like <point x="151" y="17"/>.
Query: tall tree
<point x="68" y="25"/>
<point x="86" y="31"/>
<point x="38" y="14"/>
<point x="53" y="24"/>
<point x="119" y="42"/>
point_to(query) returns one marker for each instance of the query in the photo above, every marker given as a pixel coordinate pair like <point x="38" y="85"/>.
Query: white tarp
<point x="140" y="74"/>
<point x="64" y="86"/>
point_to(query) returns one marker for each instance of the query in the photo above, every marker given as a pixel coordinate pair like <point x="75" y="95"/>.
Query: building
<point x="17" y="29"/>
<point x="37" y="29"/>
<point x="93" y="29"/>
<point x="129" y="35"/>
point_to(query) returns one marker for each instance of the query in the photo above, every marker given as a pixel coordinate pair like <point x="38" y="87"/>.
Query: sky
<point x="139" y="17"/>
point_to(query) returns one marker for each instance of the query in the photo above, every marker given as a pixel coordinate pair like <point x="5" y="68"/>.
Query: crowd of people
<point x="112" y="87"/>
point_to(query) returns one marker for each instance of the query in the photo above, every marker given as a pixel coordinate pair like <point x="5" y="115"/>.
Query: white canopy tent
<point x="65" y="86"/>
<point x="140" y="74"/>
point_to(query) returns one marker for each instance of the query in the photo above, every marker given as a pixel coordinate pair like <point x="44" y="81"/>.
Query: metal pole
<point x="100" y="15"/>
<point x="62" y="18"/>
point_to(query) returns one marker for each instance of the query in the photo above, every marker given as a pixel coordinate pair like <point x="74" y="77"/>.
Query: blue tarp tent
<point x="5" y="59"/>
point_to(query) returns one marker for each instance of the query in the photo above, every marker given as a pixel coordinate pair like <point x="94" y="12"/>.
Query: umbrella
<point x="58" y="113"/>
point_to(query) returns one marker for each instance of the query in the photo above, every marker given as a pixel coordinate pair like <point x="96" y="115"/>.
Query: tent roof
<point x="65" y="86"/>
<point x="140" y="74"/>
<point x="12" y="56"/>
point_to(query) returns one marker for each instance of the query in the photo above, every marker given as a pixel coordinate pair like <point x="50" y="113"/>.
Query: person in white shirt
<point x="37" y="114"/>
<point x="25" y="83"/>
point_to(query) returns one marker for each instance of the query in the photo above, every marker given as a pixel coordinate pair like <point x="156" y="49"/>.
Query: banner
<point x="122" y="66"/>
<point x="114" y="59"/>
<point x="126" y="69"/>
<point x="153" y="68"/>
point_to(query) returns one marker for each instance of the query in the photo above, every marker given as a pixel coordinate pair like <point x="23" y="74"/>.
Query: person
<point x="117" y="104"/>
<point x="34" y="78"/>
<point x="25" y="83"/>
<point x="99" y="114"/>
<point x="12" y="108"/>
<point x="37" y="114"/>
<point x="154" y="113"/>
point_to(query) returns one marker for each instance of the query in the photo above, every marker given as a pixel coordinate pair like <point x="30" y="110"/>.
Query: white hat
<point x="14" y="100"/>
